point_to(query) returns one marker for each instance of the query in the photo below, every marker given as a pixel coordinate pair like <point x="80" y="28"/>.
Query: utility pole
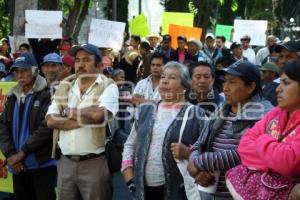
<point x="114" y="10"/>
<point x="140" y="7"/>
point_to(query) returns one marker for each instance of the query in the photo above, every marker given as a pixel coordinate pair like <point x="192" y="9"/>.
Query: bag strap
<point x="184" y="120"/>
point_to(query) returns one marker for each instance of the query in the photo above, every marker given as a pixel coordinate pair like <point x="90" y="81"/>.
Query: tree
<point x="4" y="18"/>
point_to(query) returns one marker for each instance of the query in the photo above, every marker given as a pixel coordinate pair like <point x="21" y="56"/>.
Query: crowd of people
<point x="232" y="114"/>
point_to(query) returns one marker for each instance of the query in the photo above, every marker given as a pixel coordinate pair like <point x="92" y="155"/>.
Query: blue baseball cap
<point x="245" y="70"/>
<point x="52" y="57"/>
<point x="25" y="60"/>
<point x="89" y="48"/>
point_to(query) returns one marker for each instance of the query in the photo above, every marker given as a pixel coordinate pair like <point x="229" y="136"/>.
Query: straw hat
<point x="131" y="55"/>
<point x="155" y="36"/>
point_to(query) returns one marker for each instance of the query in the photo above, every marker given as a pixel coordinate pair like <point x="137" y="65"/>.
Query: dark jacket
<point x="43" y="47"/>
<point x="174" y="188"/>
<point x="40" y="139"/>
<point x="175" y="57"/>
<point x="269" y="92"/>
<point x="210" y="104"/>
<point x="220" y="161"/>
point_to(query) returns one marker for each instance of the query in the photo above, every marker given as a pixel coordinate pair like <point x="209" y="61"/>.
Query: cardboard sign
<point x="184" y="19"/>
<point x="188" y="32"/>
<point x="224" y="30"/>
<point x="105" y="33"/>
<point x="139" y="26"/>
<point x="6" y="181"/>
<point x="43" y="24"/>
<point x="256" y="29"/>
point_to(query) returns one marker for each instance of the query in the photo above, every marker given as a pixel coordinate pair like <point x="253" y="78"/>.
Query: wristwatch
<point x="65" y="112"/>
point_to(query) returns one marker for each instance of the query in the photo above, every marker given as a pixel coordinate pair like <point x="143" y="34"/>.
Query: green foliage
<point x="234" y="5"/>
<point x="4" y="19"/>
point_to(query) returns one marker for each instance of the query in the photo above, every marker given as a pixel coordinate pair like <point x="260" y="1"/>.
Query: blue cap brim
<point x="19" y="65"/>
<point x="51" y="61"/>
<point x="233" y="72"/>
<point x="75" y="49"/>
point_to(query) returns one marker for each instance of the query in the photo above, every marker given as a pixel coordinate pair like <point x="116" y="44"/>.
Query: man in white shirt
<point x="146" y="89"/>
<point x="248" y="52"/>
<point x="265" y="52"/>
<point x="91" y="99"/>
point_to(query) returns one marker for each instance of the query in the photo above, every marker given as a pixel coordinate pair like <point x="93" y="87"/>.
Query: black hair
<point x="225" y="61"/>
<point x="292" y="70"/>
<point x="25" y="45"/>
<point x="159" y="56"/>
<point x="221" y="37"/>
<point x="136" y="38"/>
<point x="248" y="82"/>
<point x="181" y="37"/>
<point x="202" y="64"/>
<point x="145" y="45"/>
<point x="272" y="48"/>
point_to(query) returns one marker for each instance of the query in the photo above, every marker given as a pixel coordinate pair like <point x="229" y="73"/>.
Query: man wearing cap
<point x="237" y="51"/>
<point x="165" y="46"/>
<point x="270" y="72"/>
<point x="51" y="67"/>
<point x="209" y="48"/>
<point x="25" y="139"/>
<point x="154" y="40"/>
<point x="67" y="68"/>
<point x="79" y="111"/>
<point x="288" y="52"/>
<point x="248" y="52"/>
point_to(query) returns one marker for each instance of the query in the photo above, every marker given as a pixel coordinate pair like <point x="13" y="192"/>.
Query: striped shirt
<point x="224" y="155"/>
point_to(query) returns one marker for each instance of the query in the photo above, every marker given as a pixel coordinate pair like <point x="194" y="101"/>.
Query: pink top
<point x="181" y="56"/>
<point x="261" y="146"/>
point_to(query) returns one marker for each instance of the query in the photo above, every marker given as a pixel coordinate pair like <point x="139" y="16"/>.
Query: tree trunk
<point x="48" y="5"/>
<point x="76" y="17"/>
<point x="19" y="19"/>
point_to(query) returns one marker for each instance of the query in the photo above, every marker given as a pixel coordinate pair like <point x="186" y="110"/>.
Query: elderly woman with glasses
<point x="149" y="167"/>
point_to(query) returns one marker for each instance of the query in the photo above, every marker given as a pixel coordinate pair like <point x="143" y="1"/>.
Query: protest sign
<point x="4" y="89"/>
<point x="224" y="30"/>
<point x="184" y="19"/>
<point x="256" y="29"/>
<point x="188" y="32"/>
<point x="6" y="182"/>
<point x="105" y="33"/>
<point x="43" y="24"/>
<point x="139" y="26"/>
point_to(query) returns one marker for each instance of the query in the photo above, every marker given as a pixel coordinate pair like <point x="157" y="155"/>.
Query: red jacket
<point x="263" y="148"/>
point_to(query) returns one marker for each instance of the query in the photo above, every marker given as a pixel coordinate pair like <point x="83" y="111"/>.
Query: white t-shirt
<point x="261" y="55"/>
<point x="250" y="55"/>
<point x="79" y="141"/>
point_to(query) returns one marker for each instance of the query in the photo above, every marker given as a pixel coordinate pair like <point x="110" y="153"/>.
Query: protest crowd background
<point x="174" y="112"/>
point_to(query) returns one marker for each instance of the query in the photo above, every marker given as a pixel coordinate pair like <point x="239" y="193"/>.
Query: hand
<point x="180" y="151"/>
<point x="3" y="169"/>
<point x="192" y="169"/>
<point x="205" y="178"/>
<point x="16" y="158"/>
<point x="138" y="99"/>
<point x="2" y="100"/>
<point x="18" y="167"/>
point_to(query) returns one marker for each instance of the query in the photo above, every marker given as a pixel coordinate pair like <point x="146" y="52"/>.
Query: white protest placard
<point x="43" y="24"/>
<point x="105" y="33"/>
<point x="256" y="29"/>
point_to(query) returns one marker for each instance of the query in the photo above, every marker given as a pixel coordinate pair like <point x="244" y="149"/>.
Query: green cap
<point x="269" y="66"/>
